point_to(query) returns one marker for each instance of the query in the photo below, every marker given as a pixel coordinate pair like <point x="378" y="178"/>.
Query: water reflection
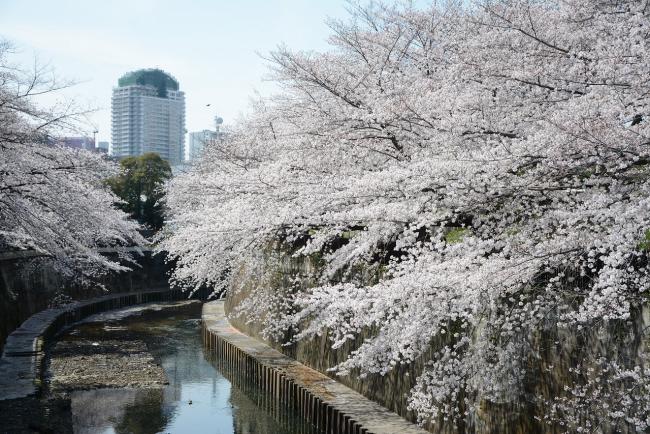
<point x="200" y="397"/>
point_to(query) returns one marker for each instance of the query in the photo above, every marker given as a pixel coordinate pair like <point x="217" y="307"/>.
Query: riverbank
<point x="327" y="403"/>
<point x="82" y="394"/>
<point x="108" y="353"/>
<point x="27" y="287"/>
<point x="22" y="359"/>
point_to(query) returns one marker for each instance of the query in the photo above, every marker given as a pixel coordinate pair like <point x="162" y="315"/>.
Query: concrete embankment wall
<point x="27" y="287"/>
<point x="21" y="363"/>
<point x="327" y="404"/>
<point x="390" y="391"/>
<point x="521" y="413"/>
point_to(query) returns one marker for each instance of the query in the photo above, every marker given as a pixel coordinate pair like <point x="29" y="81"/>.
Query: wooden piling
<point x="282" y="383"/>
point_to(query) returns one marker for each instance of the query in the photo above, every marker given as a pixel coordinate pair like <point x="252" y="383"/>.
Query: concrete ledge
<point x="22" y="359"/>
<point x="328" y="404"/>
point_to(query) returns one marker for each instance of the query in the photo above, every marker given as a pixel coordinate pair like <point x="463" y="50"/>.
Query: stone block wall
<point x="26" y="289"/>
<point x="563" y="348"/>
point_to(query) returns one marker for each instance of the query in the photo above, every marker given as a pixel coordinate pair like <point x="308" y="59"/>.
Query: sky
<point x="213" y="48"/>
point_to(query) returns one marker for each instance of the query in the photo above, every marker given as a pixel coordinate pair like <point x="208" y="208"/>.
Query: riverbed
<point x="144" y="370"/>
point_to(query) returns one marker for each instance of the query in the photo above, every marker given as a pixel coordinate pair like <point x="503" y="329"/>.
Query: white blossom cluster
<point x="53" y="202"/>
<point x="493" y="159"/>
<point x="613" y="396"/>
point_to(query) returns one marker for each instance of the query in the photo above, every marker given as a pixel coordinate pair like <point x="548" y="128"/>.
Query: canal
<point x="144" y="370"/>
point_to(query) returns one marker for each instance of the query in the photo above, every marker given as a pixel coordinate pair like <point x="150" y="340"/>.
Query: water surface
<point x="199" y="397"/>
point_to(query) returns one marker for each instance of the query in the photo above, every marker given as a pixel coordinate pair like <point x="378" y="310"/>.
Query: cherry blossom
<point x="489" y="162"/>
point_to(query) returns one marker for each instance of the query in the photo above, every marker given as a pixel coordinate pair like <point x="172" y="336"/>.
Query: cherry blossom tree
<point x="53" y="202"/>
<point x="491" y="160"/>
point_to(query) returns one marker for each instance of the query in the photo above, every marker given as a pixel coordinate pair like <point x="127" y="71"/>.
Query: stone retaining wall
<point x="328" y="404"/>
<point x="521" y="412"/>
<point x="27" y="288"/>
<point x="390" y="390"/>
<point x="22" y="359"/>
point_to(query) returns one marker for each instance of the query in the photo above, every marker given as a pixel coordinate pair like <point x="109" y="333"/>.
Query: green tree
<point x="140" y="186"/>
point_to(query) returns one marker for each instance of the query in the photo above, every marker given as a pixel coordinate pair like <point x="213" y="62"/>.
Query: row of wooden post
<point x="279" y="389"/>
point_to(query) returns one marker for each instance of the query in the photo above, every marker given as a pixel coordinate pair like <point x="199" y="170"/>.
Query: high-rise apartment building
<point x="148" y="115"/>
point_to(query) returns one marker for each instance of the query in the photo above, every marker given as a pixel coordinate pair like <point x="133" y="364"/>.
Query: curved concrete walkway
<point x="21" y="363"/>
<point x="330" y="405"/>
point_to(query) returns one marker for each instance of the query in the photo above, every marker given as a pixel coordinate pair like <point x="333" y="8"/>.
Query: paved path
<point x="369" y="417"/>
